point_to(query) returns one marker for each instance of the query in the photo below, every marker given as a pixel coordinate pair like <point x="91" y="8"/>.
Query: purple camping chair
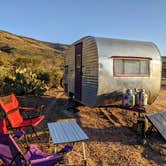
<point x="11" y="154"/>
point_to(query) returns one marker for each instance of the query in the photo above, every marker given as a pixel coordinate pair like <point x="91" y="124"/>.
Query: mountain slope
<point x="57" y="46"/>
<point x="25" y="46"/>
<point x="14" y="47"/>
<point x="50" y="55"/>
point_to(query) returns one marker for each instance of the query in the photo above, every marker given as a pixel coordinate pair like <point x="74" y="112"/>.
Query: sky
<point x="65" y="21"/>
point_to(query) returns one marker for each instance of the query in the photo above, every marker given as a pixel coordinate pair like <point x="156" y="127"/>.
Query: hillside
<point x="42" y="63"/>
<point x="57" y="46"/>
<point x="7" y="38"/>
<point x="13" y="47"/>
<point x="17" y="50"/>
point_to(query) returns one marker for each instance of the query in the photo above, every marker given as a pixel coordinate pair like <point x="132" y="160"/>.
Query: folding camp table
<point x="67" y="132"/>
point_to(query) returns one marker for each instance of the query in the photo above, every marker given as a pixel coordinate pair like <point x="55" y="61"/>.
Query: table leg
<point x="84" y="155"/>
<point x="49" y="140"/>
<point x="26" y="142"/>
<point x="55" y="149"/>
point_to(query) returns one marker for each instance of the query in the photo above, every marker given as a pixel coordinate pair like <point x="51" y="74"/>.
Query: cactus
<point x="23" y="81"/>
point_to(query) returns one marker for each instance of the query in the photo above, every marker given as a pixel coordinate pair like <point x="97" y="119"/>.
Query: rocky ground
<point x="112" y="139"/>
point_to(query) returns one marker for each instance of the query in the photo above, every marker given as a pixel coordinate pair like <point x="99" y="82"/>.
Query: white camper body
<point x="98" y="70"/>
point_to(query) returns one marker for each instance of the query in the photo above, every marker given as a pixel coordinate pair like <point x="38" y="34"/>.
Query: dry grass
<point x="37" y="56"/>
<point x="23" y="47"/>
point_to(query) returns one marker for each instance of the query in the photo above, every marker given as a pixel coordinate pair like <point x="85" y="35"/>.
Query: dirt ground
<point x="111" y="142"/>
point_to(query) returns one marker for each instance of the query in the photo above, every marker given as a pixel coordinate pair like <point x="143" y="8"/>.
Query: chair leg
<point x="84" y="155"/>
<point x="26" y="142"/>
<point x="34" y="131"/>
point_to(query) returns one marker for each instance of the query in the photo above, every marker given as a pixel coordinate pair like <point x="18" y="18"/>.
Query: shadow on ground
<point x="56" y="109"/>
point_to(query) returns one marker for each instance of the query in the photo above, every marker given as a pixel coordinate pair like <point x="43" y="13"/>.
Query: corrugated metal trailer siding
<point x="110" y="86"/>
<point x="99" y="84"/>
<point x="90" y="71"/>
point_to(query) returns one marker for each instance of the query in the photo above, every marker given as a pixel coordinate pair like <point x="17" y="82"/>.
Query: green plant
<point x="25" y="62"/>
<point x="1" y="63"/>
<point x="7" y="49"/>
<point x="57" y="75"/>
<point x="44" y="76"/>
<point x="51" y="77"/>
<point x="23" y="81"/>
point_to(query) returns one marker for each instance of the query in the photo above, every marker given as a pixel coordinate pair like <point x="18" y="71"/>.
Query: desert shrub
<point x="1" y="63"/>
<point x="4" y="60"/>
<point x="7" y="49"/>
<point x="2" y="72"/>
<point x="56" y="78"/>
<point x="2" y="90"/>
<point x="24" y="62"/>
<point x="24" y="82"/>
<point x="51" y="77"/>
<point x="44" y="76"/>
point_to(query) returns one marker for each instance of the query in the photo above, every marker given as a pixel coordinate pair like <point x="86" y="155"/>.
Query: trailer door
<point x="78" y="71"/>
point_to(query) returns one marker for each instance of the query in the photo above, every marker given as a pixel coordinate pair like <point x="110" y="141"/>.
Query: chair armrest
<point x="27" y="108"/>
<point x="36" y="111"/>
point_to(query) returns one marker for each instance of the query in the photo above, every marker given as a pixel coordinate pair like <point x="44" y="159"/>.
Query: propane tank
<point x="143" y="98"/>
<point x="129" y="98"/>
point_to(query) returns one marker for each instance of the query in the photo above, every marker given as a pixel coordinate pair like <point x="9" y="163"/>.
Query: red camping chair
<point x="13" y="116"/>
<point x="3" y="126"/>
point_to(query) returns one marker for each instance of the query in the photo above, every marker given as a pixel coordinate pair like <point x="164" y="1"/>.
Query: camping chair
<point x="13" y="117"/>
<point x="11" y="154"/>
<point x="17" y="134"/>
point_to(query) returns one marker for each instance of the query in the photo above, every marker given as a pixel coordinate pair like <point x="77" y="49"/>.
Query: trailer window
<point x="131" y="67"/>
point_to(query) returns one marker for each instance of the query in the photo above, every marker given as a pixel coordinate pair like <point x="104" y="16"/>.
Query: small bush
<point x="51" y="78"/>
<point x="24" y="82"/>
<point x="57" y="75"/>
<point x="24" y="62"/>
<point x="44" y="76"/>
<point x="7" y="49"/>
<point x="1" y="63"/>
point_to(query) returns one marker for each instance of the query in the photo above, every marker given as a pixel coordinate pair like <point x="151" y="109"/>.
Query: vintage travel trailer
<point x="98" y="70"/>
